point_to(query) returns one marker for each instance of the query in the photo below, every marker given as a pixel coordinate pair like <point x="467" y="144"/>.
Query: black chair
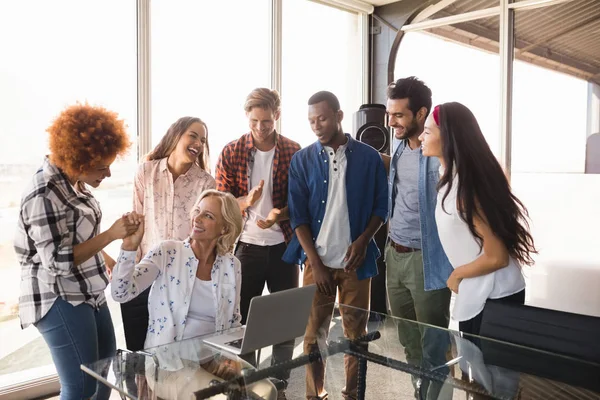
<point x="554" y="332"/>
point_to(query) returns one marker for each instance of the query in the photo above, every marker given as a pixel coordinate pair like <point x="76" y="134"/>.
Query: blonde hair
<point x="169" y="141"/>
<point x="263" y="98"/>
<point x="232" y="217"/>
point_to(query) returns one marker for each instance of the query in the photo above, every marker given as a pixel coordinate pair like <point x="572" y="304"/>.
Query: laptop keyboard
<point x="236" y="343"/>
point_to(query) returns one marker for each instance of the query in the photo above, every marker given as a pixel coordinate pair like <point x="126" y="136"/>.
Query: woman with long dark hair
<point x="167" y="186"/>
<point x="482" y="225"/>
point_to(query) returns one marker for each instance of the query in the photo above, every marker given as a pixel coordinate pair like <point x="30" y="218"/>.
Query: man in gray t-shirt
<point x="404" y="225"/>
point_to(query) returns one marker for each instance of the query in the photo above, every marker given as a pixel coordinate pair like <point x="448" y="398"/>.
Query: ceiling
<point x="563" y="37"/>
<point x="378" y="3"/>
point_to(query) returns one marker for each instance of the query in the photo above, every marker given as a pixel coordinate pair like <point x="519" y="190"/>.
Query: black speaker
<point x="369" y="126"/>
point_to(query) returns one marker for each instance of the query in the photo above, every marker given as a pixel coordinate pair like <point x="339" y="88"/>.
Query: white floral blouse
<point x="170" y="268"/>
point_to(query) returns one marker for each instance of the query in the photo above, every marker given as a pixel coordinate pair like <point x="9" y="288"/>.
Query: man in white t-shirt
<point x="254" y="168"/>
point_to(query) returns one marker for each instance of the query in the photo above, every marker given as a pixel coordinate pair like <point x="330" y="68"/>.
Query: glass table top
<point x="451" y="364"/>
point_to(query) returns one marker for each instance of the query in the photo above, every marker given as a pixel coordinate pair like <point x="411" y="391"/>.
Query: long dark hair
<point x="483" y="189"/>
<point x="169" y="141"/>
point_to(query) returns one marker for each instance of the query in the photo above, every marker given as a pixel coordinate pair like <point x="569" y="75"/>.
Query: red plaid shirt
<point x="235" y="165"/>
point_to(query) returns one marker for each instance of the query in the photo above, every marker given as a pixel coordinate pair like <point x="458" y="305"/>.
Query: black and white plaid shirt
<point x="53" y="219"/>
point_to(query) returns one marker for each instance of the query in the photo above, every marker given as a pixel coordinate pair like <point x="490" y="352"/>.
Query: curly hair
<point x="82" y="136"/>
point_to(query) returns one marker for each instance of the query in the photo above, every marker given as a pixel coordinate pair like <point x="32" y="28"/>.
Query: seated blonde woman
<point x="195" y="284"/>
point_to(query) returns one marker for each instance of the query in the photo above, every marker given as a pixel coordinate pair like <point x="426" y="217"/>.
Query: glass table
<point x="449" y="365"/>
<point x="179" y="370"/>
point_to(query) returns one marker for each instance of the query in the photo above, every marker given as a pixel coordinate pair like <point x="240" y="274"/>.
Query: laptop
<point x="272" y="319"/>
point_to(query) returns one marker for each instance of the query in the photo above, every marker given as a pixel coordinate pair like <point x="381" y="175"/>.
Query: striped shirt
<point x="53" y="219"/>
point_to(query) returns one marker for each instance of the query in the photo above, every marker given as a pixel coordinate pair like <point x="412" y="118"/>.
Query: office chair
<point x="554" y="332"/>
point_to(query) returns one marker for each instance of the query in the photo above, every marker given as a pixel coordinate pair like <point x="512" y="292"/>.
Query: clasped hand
<point x="134" y="225"/>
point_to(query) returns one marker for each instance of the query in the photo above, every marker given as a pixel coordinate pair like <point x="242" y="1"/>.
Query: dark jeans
<point x="260" y="265"/>
<point x="78" y="335"/>
<point x="473" y="325"/>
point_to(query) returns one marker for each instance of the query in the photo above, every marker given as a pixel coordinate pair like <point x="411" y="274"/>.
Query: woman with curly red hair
<point x="59" y="245"/>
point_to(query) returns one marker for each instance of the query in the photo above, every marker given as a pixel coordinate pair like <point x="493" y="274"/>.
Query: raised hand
<point x="132" y="241"/>
<point x="122" y="227"/>
<point x="255" y="193"/>
<point x="271" y="219"/>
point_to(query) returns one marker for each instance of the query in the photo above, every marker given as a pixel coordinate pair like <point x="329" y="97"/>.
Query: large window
<point x="457" y="72"/>
<point x="550" y="115"/>
<point x="322" y="50"/>
<point x="52" y="58"/>
<point x="205" y="61"/>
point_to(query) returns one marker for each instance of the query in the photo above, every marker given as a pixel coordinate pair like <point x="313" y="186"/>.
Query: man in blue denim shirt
<point x="417" y="267"/>
<point x="337" y="201"/>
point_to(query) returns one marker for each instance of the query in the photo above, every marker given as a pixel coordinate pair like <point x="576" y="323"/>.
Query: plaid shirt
<point x="235" y="167"/>
<point x="53" y="219"/>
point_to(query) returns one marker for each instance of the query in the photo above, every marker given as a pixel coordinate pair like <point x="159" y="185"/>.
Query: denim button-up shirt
<point x="366" y="192"/>
<point x="436" y="267"/>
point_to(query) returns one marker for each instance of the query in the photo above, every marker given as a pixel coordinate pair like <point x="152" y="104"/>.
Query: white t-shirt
<point x="461" y="248"/>
<point x="201" y="314"/>
<point x="262" y="169"/>
<point x="334" y="236"/>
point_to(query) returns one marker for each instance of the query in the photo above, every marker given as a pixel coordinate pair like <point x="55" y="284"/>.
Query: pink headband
<point x="436" y="115"/>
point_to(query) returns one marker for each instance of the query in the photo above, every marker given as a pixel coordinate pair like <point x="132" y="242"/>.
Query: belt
<point x="402" y="249"/>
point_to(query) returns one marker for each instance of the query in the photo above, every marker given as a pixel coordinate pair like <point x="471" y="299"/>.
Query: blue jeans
<point x="78" y="335"/>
